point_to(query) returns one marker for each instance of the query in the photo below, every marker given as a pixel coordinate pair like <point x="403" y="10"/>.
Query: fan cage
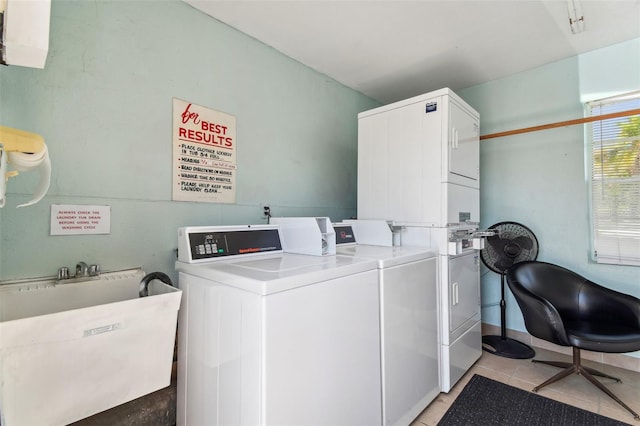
<point x="511" y="244"/>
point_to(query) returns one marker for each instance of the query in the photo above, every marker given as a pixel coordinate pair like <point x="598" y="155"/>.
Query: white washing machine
<point x="408" y="285"/>
<point x="273" y="338"/>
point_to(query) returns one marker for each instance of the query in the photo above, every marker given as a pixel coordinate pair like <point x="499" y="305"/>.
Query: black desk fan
<point x="509" y="244"/>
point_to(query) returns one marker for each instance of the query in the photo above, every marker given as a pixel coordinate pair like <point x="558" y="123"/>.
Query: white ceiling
<point x="394" y="49"/>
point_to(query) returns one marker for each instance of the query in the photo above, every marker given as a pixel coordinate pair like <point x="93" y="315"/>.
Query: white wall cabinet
<point x="418" y="161"/>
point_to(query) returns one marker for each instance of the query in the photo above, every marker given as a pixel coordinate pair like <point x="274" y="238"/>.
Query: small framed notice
<point x="72" y="219"/>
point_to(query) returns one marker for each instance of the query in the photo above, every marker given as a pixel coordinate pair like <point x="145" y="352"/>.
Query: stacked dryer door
<point x="273" y="338"/>
<point x="409" y="328"/>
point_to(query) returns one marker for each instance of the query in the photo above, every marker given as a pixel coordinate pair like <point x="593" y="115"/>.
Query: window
<point x="615" y="180"/>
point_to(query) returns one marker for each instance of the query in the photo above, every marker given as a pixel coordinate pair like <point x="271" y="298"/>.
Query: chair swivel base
<point x="577" y="368"/>
<point x="507" y="347"/>
<point x="593" y="371"/>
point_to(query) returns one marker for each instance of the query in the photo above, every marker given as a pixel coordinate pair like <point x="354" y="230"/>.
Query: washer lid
<point x="270" y="274"/>
<point x="387" y="257"/>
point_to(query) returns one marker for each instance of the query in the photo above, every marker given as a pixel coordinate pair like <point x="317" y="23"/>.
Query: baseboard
<point x="617" y="360"/>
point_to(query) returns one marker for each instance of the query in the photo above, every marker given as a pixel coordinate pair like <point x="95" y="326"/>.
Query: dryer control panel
<point x="200" y="244"/>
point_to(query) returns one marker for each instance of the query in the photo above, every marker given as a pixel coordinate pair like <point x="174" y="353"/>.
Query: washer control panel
<point x="198" y="244"/>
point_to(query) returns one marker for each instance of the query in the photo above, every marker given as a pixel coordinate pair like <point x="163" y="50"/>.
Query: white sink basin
<point x="71" y="350"/>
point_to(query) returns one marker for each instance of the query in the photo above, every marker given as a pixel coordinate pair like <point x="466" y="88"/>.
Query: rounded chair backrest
<point x="555" y="300"/>
<point x="560" y="286"/>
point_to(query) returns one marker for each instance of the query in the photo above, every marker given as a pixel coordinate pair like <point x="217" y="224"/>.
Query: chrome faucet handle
<point x="94" y="270"/>
<point x="63" y="273"/>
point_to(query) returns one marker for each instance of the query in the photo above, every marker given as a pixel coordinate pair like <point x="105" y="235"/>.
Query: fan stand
<point x="502" y="345"/>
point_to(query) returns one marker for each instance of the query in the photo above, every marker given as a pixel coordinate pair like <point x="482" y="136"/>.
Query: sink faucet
<point x="82" y="270"/>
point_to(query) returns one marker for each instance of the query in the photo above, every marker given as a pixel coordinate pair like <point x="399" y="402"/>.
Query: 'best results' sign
<point x="204" y="154"/>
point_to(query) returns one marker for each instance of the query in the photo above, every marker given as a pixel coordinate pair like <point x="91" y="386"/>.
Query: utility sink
<point x="69" y="350"/>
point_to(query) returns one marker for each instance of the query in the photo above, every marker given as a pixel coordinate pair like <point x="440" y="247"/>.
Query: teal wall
<point x="103" y="104"/>
<point x="539" y="179"/>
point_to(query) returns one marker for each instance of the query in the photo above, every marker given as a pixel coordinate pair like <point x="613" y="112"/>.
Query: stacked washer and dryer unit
<point x="418" y="166"/>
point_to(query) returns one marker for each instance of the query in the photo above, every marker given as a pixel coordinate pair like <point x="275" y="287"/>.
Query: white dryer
<point x="408" y="288"/>
<point x="273" y="338"/>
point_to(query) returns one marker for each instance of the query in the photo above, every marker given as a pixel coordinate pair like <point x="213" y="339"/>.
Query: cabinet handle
<point x="455" y="294"/>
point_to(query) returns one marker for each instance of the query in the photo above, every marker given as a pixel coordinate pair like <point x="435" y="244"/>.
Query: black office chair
<point x="564" y="308"/>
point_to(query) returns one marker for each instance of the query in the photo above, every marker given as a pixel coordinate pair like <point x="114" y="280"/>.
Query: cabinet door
<point x="464" y="288"/>
<point x="464" y="143"/>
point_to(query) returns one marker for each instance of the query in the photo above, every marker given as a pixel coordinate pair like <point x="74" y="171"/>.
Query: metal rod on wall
<point x="562" y="124"/>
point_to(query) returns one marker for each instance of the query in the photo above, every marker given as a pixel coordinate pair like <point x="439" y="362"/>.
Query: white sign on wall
<point x="204" y="154"/>
<point x="71" y="219"/>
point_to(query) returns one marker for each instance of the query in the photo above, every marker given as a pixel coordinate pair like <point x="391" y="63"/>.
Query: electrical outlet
<point x="265" y="210"/>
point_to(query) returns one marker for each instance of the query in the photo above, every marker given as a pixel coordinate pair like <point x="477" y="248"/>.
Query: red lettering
<point x="215" y="128"/>
<point x="188" y="115"/>
<point x="208" y="138"/>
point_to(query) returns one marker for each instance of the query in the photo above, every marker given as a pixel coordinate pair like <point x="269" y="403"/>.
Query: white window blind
<point x="615" y="181"/>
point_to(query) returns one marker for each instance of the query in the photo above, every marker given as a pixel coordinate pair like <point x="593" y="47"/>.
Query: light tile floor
<point x="573" y="390"/>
